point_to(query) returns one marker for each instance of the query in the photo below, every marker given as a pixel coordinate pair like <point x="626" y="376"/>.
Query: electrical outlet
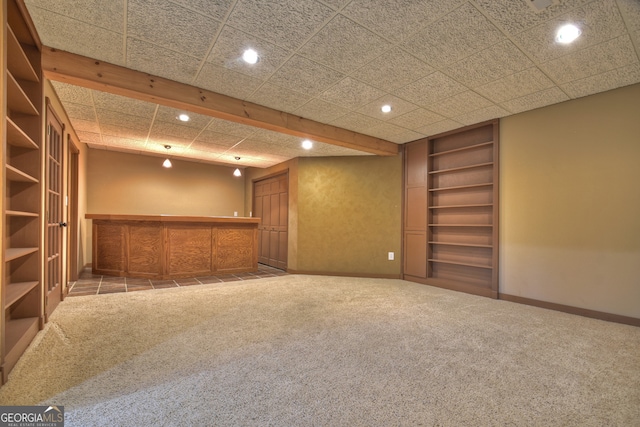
<point x="235" y="214"/>
<point x="391" y="256"/>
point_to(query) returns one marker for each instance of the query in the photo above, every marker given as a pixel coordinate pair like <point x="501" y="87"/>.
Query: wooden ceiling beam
<point x="94" y="74"/>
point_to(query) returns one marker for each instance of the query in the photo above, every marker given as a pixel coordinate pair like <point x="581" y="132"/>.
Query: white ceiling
<point x="440" y="64"/>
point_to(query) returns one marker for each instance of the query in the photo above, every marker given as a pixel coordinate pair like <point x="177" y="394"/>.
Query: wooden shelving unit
<point x="22" y="295"/>
<point x="451" y="210"/>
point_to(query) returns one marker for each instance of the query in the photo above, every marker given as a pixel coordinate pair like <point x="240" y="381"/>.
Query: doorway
<point x="271" y="204"/>
<point x="54" y="212"/>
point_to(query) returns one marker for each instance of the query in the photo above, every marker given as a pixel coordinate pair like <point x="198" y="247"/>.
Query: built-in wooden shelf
<point x="15" y="291"/>
<point x="18" y="62"/>
<point x="22" y="213"/>
<point x="466" y="264"/>
<point x="462" y="187"/>
<point x="20" y="102"/>
<point x="465" y="148"/>
<point x="14" y="174"/>
<point x="17" y="137"/>
<point x="22" y="163"/>
<point x="479" y="205"/>
<point x="462" y="168"/>
<point x="461" y="225"/>
<point x="466" y="245"/>
<point x="15" y="253"/>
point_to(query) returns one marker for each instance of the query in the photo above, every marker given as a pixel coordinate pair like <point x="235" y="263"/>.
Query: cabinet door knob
<point x="62" y="224"/>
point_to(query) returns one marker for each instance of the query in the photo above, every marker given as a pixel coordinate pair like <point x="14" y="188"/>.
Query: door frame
<point x="73" y="161"/>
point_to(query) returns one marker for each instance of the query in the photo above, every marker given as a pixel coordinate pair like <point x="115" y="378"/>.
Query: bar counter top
<point x="174" y="218"/>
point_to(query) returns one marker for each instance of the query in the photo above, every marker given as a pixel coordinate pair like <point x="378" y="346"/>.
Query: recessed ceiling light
<point x="250" y="56"/>
<point x="183" y="117"/>
<point x="307" y="144"/>
<point x="386" y="108"/>
<point x="567" y="33"/>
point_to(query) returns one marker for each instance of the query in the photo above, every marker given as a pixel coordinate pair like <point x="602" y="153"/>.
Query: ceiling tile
<point x="488" y="65"/>
<point x="208" y="137"/>
<point x="536" y="100"/>
<point x="79" y="111"/>
<point x="356" y="122"/>
<point x="460" y="104"/>
<point x="488" y="113"/>
<point x="398" y="107"/>
<point x="170" y="115"/>
<point x="271" y="137"/>
<point x="208" y="147"/>
<point x="278" y="98"/>
<point x="439" y="127"/>
<point x="227" y="82"/>
<point x="432" y="88"/>
<point x="87" y="137"/>
<point x="344" y="45"/>
<point x="630" y="10"/>
<point x="305" y="76"/>
<point x="516" y="16"/>
<point x="132" y="107"/>
<point x="516" y="85"/>
<point x="350" y="93"/>
<point x="78" y="37"/>
<point x="229" y="128"/>
<point x="164" y="129"/>
<point x="287" y="23"/>
<point x="157" y="144"/>
<point x="231" y="44"/>
<point x="71" y="93"/>
<point x="416" y="119"/>
<point x="88" y="126"/>
<point x="393" y="69"/>
<point x="161" y="62"/>
<point x="118" y="118"/>
<point x="393" y="133"/>
<point x="395" y="20"/>
<point x="217" y="9"/>
<point x="171" y="26"/>
<point x="613" y="79"/>
<point x="453" y="37"/>
<point x="123" y="131"/>
<point x="599" y="21"/>
<point x="320" y="111"/>
<point x="593" y="60"/>
<point x="129" y="143"/>
<point x="108" y="15"/>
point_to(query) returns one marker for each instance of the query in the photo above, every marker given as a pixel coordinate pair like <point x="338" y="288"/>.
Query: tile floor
<point x="93" y="284"/>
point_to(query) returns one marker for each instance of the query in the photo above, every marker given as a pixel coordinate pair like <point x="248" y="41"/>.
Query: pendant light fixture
<point x="167" y="162"/>
<point x="237" y="172"/>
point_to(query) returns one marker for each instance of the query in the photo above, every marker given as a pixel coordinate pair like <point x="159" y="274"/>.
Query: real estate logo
<point x="31" y="416"/>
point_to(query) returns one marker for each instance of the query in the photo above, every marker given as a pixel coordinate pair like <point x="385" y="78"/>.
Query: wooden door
<point x="271" y="204"/>
<point x="54" y="212"/>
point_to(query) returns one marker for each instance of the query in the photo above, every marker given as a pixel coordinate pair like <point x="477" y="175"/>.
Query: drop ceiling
<point x="441" y="65"/>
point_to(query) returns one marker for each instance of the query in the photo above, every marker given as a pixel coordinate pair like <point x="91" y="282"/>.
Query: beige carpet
<point x="325" y="351"/>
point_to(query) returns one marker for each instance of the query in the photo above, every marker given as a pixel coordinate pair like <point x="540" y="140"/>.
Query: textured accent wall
<point x="349" y="215"/>
<point x="570" y="203"/>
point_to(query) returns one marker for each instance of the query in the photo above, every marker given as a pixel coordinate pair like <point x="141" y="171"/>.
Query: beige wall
<point x="122" y="183"/>
<point x="570" y="203"/>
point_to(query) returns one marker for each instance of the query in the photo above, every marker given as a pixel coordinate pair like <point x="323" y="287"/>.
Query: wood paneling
<point x="451" y="210"/>
<point x="171" y="247"/>
<point x="145" y="250"/>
